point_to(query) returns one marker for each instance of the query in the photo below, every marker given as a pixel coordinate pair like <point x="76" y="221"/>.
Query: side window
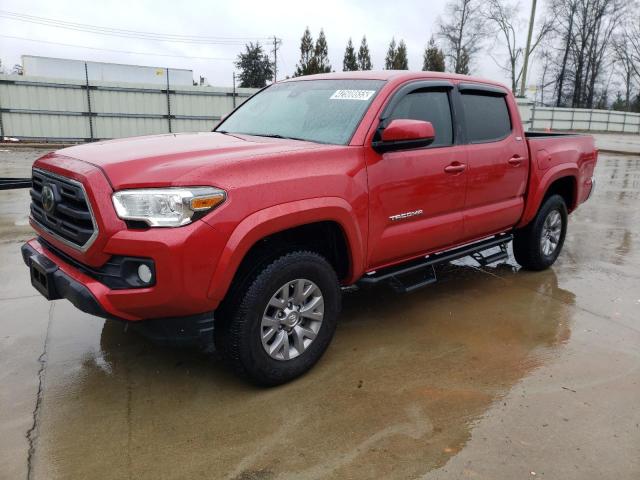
<point x="486" y="117"/>
<point x="430" y="106"/>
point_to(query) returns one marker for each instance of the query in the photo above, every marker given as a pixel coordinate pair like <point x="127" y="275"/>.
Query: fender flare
<point x="535" y="197"/>
<point x="282" y="217"/>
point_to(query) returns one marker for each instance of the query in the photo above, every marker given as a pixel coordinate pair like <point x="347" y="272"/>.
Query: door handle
<point x="515" y="160"/>
<point x="455" y="168"/>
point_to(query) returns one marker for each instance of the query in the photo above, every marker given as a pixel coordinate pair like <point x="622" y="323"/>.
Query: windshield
<point x="325" y="111"/>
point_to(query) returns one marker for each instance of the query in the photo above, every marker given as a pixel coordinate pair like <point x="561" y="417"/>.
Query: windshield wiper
<point x="277" y="135"/>
<point x="224" y="132"/>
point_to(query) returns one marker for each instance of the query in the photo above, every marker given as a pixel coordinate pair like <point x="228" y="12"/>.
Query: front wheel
<point x="283" y="320"/>
<point x="538" y="245"/>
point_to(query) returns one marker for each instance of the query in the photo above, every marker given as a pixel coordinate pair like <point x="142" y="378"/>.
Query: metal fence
<point x="552" y="118"/>
<point x="36" y="108"/>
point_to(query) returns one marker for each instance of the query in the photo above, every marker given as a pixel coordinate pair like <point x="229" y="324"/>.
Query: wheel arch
<point x="562" y="181"/>
<point x="293" y="224"/>
<point x="567" y="188"/>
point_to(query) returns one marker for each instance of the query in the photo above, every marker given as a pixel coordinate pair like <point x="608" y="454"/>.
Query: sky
<point x="412" y="20"/>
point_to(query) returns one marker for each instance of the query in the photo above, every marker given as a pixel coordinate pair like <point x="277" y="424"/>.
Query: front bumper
<point x="58" y="284"/>
<point x="184" y="260"/>
<point x="53" y="282"/>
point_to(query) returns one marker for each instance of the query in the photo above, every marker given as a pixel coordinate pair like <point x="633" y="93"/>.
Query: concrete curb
<point x="618" y="152"/>
<point x="52" y="146"/>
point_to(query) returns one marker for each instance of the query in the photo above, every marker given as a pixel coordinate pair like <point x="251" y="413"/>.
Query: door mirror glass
<point x="404" y="134"/>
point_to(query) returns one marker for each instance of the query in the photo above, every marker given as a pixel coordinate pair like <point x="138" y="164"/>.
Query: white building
<point x="114" y="72"/>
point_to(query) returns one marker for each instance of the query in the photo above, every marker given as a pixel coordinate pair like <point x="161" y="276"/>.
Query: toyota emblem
<point x="48" y="199"/>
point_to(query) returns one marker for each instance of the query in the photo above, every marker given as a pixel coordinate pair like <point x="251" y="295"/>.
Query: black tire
<point x="527" y="242"/>
<point x="238" y="332"/>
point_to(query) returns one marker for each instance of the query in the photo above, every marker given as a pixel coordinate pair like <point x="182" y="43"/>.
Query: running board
<point x="419" y="273"/>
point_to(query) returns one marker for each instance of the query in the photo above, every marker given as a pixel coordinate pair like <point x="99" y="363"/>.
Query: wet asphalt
<point x="493" y="373"/>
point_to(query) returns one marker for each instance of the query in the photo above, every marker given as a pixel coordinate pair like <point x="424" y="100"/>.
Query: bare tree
<point x="606" y="16"/>
<point x="505" y="17"/>
<point x="463" y="31"/>
<point x="626" y="65"/>
<point x="563" y="12"/>
<point x="584" y="29"/>
<point x="545" y="57"/>
<point x="632" y="39"/>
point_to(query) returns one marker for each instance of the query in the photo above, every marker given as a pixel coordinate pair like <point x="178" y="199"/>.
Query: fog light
<point x="144" y="272"/>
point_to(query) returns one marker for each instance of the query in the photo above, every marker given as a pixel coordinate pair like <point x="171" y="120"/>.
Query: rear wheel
<point x="282" y="319"/>
<point x="538" y="245"/>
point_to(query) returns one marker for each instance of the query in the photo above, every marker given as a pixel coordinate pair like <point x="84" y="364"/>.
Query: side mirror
<point x="404" y="134"/>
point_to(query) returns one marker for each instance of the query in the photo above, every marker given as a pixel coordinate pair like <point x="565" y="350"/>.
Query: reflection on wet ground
<point x="491" y="373"/>
<point x="404" y="381"/>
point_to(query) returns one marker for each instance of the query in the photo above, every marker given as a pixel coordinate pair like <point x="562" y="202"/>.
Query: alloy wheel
<point x="292" y="319"/>
<point x="551" y="232"/>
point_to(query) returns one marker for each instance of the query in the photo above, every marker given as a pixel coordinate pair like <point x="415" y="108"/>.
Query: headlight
<point x="166" y="207"/>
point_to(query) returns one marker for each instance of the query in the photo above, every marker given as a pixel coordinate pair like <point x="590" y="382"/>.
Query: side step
<point x="493" y="258"/>
<point x="419" y="273"/>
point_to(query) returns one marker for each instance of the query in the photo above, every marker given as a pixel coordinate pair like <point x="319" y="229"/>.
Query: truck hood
<point x="162" y="160"/>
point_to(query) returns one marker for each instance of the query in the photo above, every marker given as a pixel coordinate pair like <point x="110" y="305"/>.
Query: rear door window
<point x="429" y="106"/>
<point x="486" y="117"/>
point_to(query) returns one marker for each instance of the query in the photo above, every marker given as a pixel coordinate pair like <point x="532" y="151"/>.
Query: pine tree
<point x="350" y="62"/>
<point x="255" y="67"/>
<point x="321" y="54"/>
<point x="364" y="59"/>
<point x="433" y="57"/>
<point x="390" y="59"/>
<point x="464" y="67"/>
<point x="619" y="103"/>
<point x="401" y="61"/>
<point x="635" y="104"/>
<point x="396" y="58"/>
<point x="307" y="55"/>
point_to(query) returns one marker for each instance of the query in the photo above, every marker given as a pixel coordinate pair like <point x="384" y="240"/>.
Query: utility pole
<point x="86" y="80"/>
<point x="276" y="44"/>
<point x="168" y="102"/>
<point x="532" y="20"/>
<point x="234" y="90"/>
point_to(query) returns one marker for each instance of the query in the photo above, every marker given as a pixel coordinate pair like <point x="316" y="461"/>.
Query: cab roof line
<point x="481" y="87"/>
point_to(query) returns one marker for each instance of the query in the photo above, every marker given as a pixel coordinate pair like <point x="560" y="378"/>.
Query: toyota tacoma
<point x="245" y="237"/>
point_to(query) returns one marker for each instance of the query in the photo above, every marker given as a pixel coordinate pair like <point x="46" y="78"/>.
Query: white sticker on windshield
<point x="352" y="94"/>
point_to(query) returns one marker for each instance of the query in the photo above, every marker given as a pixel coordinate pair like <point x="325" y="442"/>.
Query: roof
<point x="399" y="75"/>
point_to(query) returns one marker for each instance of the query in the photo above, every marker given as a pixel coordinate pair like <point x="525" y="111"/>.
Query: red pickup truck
<point x="312" y="185"/>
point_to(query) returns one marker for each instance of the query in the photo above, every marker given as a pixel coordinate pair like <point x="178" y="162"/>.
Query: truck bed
<point x="552" y="134"/>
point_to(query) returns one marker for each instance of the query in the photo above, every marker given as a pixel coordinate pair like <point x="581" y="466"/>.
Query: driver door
<point x="417" y="196"/>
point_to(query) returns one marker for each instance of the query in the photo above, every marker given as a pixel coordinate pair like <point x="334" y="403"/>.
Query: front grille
<point x="63" y="210"/>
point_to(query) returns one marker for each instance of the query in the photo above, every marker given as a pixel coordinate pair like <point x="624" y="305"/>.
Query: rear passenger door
<point x="497" y="160"/>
